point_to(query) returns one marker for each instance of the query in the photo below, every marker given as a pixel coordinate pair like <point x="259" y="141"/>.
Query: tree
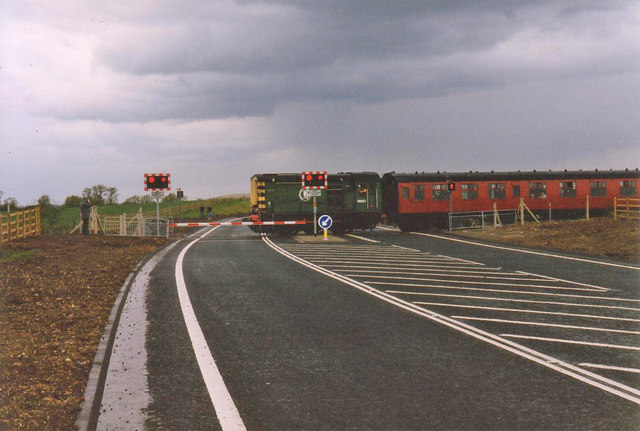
<point x="11" y="203"/>
<point x="72" y="201"/>
<point x="137" y="199"/>
<point x="101" y="194"/>
<point x="44" y="201"/>
<point x="171" y="197"/>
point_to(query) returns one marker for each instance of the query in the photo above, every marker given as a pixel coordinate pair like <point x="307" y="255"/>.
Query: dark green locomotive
<point x="352" y="199"/>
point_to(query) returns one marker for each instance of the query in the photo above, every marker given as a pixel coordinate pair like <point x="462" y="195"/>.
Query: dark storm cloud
<point x="231" y="60"/>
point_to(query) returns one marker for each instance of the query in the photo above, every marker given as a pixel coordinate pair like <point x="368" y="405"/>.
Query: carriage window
<point x="538" y="190"/>
<point x="497" y="191"/>
<point x="568" y="189"/>
<point x="469" y="191"/>
<point x="440" y="192"/>
<point x="363" y="189"/>
<point x="418" y="192"/>
<point x="405" y="192"/>
<point x="598" y="188"/>
<point x="628" y="188"/>
<point x="516" y="191"/>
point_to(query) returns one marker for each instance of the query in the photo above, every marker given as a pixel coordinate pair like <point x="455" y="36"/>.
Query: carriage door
<point x="335" y="200"/>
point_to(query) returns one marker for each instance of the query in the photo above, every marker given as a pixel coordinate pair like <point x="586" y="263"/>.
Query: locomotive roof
<point x="297" y="177"/>
<point x="512" y="176"/>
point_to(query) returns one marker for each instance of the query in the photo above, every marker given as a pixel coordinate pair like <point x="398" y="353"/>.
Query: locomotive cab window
<point x="469" y="191"/>
<point x="497" y="191"/>
<point x="598" y="188"/>
<point x="628" y="188"/>
<point x="440" y="192"/>
<point x="363" y="190"/>
<point x="568" y="189"/>
<point x="405" y="192"/>
<point x="418" y="192"/>
<point x="538" y="190"/>
<point x="516" y="191"/>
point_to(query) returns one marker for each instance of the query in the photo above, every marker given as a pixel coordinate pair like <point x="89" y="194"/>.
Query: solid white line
<point x="610" y="367"/>
<point x="484" y="283"/>
<point x="363" y="238"/>
<point x="529" y="251"/>
<point x="520" y="301"/>
<point x="577" y="373"/>
<point x="551" y="325"/>
<point x="382" y="258"/>
<point x="406" y="248"/>
<point x="559" y="340"/>
<point x="516" y="310"/>
<point x="223" y="404"/>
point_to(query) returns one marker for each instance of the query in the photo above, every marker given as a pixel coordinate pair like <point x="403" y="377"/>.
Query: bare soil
<point x="56" y="293"/>
<point x="599" y="237"/>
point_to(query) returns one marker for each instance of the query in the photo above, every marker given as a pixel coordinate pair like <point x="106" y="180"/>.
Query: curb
<point x="87" y="419"/>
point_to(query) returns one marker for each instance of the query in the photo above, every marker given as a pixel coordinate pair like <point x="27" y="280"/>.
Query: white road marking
<point x="551" y="325"/>
<point x="483" y="276"/>
<point x="390" y="259"/>
<point x="390" y="283"/>
<point x="516" y="310"/>
<point x="577" y="373"/>
<point x="406" y="248"/>
<point x="461" y="260"/>
<point x="363" y="238"/>
<point x="427" y="268"/>
<point x="604" y="289"/>
<point x="514" y="292"/>
<point x="440" y="264"/>
<point x="223" y="404"/>
<point x="610" y="367"/>
<point x="483" y="283"/>
<point x="520" y="301"/>
<point x="559" y="340"/>
<point x="556" y="256"/>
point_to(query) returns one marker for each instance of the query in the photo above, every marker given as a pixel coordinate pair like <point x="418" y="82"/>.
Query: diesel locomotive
<point x="353" y="199"/>
<point x="420" y="201"/>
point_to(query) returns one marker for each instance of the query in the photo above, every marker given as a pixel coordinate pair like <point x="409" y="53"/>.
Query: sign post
<point x="325" y="221"/>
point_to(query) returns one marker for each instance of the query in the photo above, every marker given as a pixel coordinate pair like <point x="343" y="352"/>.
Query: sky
<point x="215" y="91"/>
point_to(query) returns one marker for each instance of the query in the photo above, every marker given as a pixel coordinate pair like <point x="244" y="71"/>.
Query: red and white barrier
<point x="241" y="223"/>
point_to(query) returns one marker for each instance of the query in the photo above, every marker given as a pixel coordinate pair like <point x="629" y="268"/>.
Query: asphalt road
<point x="408" y="332"/>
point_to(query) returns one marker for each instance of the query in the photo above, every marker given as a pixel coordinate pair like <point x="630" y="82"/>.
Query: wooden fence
<point x="627" y="208"/>
<point x="20" y="224"/>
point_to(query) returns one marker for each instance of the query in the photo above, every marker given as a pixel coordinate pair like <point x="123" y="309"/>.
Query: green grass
<point x="65" y="219"/>
<point x="10" y="255"/>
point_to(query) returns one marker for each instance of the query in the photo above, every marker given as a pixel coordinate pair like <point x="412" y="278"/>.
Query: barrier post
<point x="615" y="208"/>
<point x="628" y="209"/>
<point x="587" y="207"/>
<point x="522" y="211"/>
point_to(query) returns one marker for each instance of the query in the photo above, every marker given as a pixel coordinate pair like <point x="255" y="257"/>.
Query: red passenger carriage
<point x="423" y="200"/>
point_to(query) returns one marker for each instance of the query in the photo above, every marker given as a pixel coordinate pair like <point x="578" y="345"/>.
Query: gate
<point x="482" y="219"/>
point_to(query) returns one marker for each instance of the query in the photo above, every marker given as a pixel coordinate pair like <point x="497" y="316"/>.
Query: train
<point x="423" y="201"/>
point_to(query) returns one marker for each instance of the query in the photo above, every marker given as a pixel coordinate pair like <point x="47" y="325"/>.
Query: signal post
<point x="314" y="183"/>
<point x="157" y="183"/>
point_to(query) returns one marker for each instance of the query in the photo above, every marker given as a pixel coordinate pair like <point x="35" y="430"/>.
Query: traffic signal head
<point x="314" y="180"/>
<point x="157" y="182"/>
<point x="451" y="186"/>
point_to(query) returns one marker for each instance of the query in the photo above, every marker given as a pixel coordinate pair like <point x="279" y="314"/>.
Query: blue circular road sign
<point x="325" y="221"/>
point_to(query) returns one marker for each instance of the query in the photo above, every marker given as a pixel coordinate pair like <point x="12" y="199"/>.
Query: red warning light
<point x="163" y="179"/>
<point x="309" y="177"/>
<point x="320" y="177"/>
<point x="152" y="179"/>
